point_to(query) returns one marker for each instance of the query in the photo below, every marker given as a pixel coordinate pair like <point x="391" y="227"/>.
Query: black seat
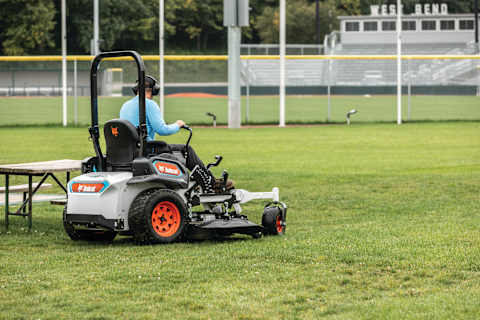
<point x="123" y="144"/>
<point x="157" y="147"/>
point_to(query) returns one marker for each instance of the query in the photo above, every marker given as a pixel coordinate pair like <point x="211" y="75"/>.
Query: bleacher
<point x="368" y="72"/>
<point x="409" y="49"/>
<point x="298" y="72"/>
<point x="350" y="72"/>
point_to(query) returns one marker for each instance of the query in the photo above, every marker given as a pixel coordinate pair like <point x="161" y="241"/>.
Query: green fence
<point x="320" y="89"/>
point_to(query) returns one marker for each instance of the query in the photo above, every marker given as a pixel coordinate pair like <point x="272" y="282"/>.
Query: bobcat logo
<point x="167" y="168"/>
<point x="88" y="187"/>
<point x="115" y="131"/>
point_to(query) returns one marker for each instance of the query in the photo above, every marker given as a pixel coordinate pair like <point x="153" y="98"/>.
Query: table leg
<point x="6" y="201"/>
<point x="30" y="196"/>
<point x="24" y="204"/>
<point x="24" y="198"/>
<point x="58" y="182"/>
<point x="66" y="185"/>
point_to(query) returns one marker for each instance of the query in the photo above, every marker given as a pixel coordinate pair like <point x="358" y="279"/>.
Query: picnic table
<point x="43" y="169"/>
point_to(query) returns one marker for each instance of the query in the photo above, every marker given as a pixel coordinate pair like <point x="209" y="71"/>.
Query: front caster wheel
<point x="273" y="221"/>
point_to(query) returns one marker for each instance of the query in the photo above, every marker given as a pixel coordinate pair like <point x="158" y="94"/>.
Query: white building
<point x="429" y="23"/>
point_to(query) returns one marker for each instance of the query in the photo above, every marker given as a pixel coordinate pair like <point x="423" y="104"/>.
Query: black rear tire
<point x="272" y="221"/>
<point x="157" y="216"/>
<point x="86" y="235"/>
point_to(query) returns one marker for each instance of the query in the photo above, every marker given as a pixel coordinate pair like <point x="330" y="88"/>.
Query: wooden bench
<point x="43" y="169"/>
<point x="24" y="187"/>
<point x="59" y="202"/>
<point x="18" y="194"/>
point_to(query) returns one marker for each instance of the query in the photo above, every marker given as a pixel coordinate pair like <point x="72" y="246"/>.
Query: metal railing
<point x="274" y="49"/>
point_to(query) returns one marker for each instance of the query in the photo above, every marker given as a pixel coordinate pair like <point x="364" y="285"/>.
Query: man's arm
<point x="156" y="121"/>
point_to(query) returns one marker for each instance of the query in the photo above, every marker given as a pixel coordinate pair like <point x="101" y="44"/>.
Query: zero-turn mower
<point x="138" y="189"/>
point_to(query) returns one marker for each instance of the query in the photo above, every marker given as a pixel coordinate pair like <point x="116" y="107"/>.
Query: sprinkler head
<point x="349" y="113"/>
<point x="214" y="118"/>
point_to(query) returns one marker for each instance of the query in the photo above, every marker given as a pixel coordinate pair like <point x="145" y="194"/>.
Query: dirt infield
<point x="195" y="95"/>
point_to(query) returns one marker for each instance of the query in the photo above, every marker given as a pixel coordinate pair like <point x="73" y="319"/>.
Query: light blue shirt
<point x="155" y="122"/>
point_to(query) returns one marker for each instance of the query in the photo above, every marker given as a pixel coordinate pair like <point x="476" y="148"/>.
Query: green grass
<point x="383" y="223"/>
<point x="263" y="109"/>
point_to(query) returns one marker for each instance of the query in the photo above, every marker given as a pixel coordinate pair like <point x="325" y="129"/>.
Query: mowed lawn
<point x="262" y="109"/>
<point x="383" y="223"/>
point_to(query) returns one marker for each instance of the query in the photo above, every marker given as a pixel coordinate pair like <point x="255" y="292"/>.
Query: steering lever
<point x="188" y="141"/>
<point x="216" y="163"/>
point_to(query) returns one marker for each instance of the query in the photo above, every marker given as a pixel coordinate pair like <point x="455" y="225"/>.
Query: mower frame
<point x="152" y="197"/>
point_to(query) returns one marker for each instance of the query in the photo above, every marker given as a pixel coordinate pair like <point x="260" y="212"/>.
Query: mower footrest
<point x="94" y="220"/>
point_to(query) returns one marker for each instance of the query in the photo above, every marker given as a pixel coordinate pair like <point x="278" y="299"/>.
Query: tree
<point x="124" y="24"/>
<point x="33" y="26"/>
<point x="200" y="20"/>
<point x="133" y="24"/>
<point x="300" y="22"/>
<point x="349" y="7"/>
<point x="26" y="26"/>
<point x="257" y="7"/>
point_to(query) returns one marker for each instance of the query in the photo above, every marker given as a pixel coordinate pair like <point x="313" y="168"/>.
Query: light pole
<point x="235" y="16"/>
<point x="94" y="47"/>
<point x="282" y="60"/>
<point x="161" y="14"/>
<point x="399" y="61"/>
<point x="476" y="27"/>
<point x="64" y="62"/>
<point x="317" y="20"/>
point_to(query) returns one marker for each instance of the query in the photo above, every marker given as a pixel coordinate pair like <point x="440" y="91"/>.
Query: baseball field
<point x="383" y="222"/>
<point x="261" y="109"/>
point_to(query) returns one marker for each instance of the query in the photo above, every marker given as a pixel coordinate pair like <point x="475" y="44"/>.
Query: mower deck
<point x="223" y="228"/>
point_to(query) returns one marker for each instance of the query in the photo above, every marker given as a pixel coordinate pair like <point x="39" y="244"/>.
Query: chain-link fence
<point x="319" y="88"/>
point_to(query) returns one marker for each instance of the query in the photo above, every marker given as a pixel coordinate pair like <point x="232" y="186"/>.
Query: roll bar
<point x="94" y="131"/>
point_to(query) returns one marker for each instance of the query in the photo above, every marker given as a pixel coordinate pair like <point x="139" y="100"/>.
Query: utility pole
<point x="317" y="20"/>
<point x="161" y="41"/>
<point x="283" y="41"/>
<point x="476" y="27"/>
<point x="399" y="61"/>
<point x="94" y="45"/>
<point x="64" y="62"/>
<point x="235" y="16"/>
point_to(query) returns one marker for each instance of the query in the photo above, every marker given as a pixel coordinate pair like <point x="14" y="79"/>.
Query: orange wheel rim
<point x="166" y="219"/>
<point x="279" y="224"/>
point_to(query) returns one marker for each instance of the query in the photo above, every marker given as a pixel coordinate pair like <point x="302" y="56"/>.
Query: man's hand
<point x="180" y="123"/>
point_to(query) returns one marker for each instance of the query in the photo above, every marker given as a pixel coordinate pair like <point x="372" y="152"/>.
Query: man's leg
<point x="202" y="175"/>
<point x="193" y="158"/>
<point x="210" y="183"/>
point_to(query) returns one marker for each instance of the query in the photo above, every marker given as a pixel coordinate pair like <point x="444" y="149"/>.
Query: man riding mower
<point x="156" y="124"/>
<point x="153" y="191"/>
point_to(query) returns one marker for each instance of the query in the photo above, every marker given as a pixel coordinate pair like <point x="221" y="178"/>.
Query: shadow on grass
<point x="47" y="227"/>
<point x="128" y="241"/>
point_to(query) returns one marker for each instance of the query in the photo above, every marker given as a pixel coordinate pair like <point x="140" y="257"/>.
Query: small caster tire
<point x="273" y="221"/>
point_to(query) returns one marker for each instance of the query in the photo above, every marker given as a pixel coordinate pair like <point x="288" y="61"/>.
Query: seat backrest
<point x="123" y="144"/>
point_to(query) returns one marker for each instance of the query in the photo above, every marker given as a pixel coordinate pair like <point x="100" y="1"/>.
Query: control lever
<point x="225" y="179"/>
<point x="188" y="141"/>
<point x="216" y="163"/>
